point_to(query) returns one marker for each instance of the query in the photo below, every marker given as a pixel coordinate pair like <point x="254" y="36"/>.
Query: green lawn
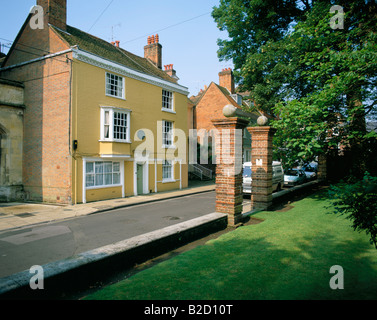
<point x="287" y="256"/>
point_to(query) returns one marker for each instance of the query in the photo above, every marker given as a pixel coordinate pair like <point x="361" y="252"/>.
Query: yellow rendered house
<point x="100" y="122"/>
<point x="115" y="109"/>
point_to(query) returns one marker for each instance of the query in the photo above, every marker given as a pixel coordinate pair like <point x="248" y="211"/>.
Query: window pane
<point x="116" y="178"/>
<point x="99" y="167"/>
<point x="99" y="179"/>
<point x="108" y="179"/>
<point x="90" y="180"/>
<point x="108" y="167"/>
<point x="107" y="117"/>
<point x="116" y="166"/>
<point x="89" y="167"/>
<point x="106" y="132"/>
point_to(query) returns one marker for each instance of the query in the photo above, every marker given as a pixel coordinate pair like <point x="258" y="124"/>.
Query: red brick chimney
<point x="171" y="72"/>
<point x="55" y="12"/>
<point x="227" y="80"/>
<point x="153" y="51"/>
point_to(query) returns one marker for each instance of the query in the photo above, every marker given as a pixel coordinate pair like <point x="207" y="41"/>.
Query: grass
<point x="287" y="256"/>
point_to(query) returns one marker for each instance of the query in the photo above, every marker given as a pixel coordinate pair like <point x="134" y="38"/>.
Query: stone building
<point x="11" y="139"/>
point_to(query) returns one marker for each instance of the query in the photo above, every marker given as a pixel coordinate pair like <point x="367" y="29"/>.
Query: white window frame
<point x="167" y="101"/>
<point x="84" y="176"/>
<point x="164" y="166"/>
<point x="120" y="88"/>
<point x="171" y="134"/>
<point x="108" y="127"/>
<point x="96" y="172"/>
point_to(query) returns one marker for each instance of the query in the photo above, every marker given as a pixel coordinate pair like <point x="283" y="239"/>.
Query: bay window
<point x="115" y="124"/>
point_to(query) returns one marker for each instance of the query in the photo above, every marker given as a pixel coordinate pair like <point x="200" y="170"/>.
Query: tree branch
<point x="370" y="108"/>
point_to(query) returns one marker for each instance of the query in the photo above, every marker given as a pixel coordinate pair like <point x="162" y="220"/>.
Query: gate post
<point x="261" y="166"/>
<point x="229" y="166"/>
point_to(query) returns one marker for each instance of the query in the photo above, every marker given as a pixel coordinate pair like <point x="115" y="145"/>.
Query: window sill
<point x="120" y="98"/>
<point x="168" y="110"/>
<point x="168" y="147"/>
<point x="169" y="181"/>
<point x="104" y="187"/>
<point x="115" y="141"/>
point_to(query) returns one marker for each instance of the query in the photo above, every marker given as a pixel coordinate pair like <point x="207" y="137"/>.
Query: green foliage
<point x="305" y="136"/>
<point x="318" y="83"/>
<point x="358" y="201"/>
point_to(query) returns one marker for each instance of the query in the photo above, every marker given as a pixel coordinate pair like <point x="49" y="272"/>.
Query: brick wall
<point x="210" y="108"/>
<point x="46" y="160"/>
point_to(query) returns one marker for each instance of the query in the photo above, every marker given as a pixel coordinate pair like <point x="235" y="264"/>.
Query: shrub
<point x="358" y="201"/>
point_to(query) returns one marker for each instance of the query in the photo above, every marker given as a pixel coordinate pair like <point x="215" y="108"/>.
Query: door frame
<point x="145" y="165"/>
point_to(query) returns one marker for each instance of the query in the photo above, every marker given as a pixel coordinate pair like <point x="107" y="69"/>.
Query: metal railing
<point x="201" y="171"/>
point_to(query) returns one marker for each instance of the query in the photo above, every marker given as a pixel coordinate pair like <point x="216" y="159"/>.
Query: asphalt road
<point x="21" y="249"/>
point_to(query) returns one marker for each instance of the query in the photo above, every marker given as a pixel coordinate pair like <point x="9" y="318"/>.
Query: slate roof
<point x="73" y="36"/>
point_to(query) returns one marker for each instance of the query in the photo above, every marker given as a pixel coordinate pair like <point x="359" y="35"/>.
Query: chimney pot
<point x="117" y="43"/>
<point x="153" y="51"/>
<point x="227" y="80"/>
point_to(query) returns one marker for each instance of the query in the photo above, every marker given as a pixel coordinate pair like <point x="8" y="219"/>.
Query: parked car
<point x="294" y="177"/>
<point x="277" y="177"/>
<point x="310" y="171"/>
<point x="246" y="177"/>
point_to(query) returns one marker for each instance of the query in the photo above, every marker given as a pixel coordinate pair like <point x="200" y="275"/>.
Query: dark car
<point x="310" y="172"/>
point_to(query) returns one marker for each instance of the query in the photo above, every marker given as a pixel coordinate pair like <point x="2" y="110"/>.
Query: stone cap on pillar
<point x="231" y="111"/>
<point x="236" y="123"/>
<point x="262" y="129"/>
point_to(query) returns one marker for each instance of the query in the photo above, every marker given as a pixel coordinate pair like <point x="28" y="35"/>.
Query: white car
<point x="277" y="177"/>
<point x="294" y="177"/>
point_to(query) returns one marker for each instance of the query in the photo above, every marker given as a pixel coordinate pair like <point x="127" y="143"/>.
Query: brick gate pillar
<point x="229" y="152"/>
<point x="322" y="167"/>
<point x="261" y="166"/>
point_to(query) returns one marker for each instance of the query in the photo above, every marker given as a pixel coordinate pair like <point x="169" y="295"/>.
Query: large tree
<point x="309" y="65"/>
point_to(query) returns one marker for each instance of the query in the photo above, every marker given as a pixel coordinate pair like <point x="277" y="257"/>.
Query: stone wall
<point x="11" y="140"/>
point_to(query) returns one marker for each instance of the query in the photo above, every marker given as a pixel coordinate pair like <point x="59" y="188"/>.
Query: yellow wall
<point x="145" y="101"/>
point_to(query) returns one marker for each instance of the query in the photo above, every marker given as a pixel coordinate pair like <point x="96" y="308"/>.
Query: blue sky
<point x="189" y="45"/>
